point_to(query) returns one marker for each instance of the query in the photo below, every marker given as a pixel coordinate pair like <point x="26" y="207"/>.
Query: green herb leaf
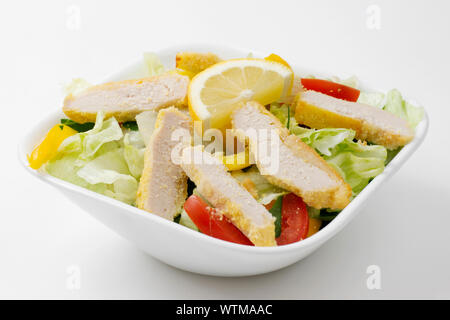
<point x="289" y="117"/>
<point x="132" y="125"/>
<point x="80" y="127"/>
<point x="276" y="212"/>
<point x="177" y="218"/>
<point x="327" y="215"/>
<point x="322" y="214"/>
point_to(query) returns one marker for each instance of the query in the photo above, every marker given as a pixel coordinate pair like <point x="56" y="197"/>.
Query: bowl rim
<point x="337" y="224"/>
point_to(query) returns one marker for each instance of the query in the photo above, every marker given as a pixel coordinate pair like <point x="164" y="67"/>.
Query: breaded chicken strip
<point x="126" y="99"/>
<point x="227" y="195"/>
<point x="299" y="168"/>
<point x="195" y="62"/>
<point x="163" y="185"/>
<point x="318" y="110"/>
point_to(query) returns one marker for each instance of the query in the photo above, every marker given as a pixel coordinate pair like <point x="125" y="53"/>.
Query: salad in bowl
<point x="243" y="150"/>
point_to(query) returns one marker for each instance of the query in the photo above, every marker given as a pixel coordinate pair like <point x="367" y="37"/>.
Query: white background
<point x="404" y="229"/>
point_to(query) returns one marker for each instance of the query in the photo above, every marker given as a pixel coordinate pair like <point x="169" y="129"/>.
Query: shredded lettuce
<point x="186" y="221"/>
<point x="325" y="140"/>
<point x="356" y="162"/>
<point x="86" y="144"/>
<point x="153" y="64"/>
<point x="265" y="191"/>
<point x="375" y="99"/>
<point x="350" y="82"/>
<point x="66" y="169"/>
<point x="398" y="106"/>
<point x="285" y="113"/>
<point x="76" y="86"/>
<point x="133" y="153"/>
<point x="102" y="159"/>
<point x="111" y="169"/>
<point x="146" y="124"/>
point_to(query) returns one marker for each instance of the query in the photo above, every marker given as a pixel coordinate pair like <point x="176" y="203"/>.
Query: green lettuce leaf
<point x="375" y="99"/>
<point x="133" y="152"/>
<point x="266" y="191"/>
<point x="398" y="106"/>
<point x="153" y="64"/>
<point x="66" y="168"/>
<point x="112" y="170"/>
<point x="285" y="113"/>
<point x="102" y="160"/>
<point x="356" y="162"/>
<point x="186" y="221"/>
<point x="76" y="86"/>
<point x="86" y="144"/>
<point x="325" y="140"/>
<point x="350" y="81"/>
<point x="146" y="124"/>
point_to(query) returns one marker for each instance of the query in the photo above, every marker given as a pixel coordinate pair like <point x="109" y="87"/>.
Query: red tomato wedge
<point x="331" y="88"/>
<point x="212" y="223"/>
<point x="294" y="220"/>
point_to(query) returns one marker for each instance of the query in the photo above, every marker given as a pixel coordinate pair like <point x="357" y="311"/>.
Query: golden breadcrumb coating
<point x="226" y="194"/>
<point x="195" y="62"/>
<point x="163" y="185"/>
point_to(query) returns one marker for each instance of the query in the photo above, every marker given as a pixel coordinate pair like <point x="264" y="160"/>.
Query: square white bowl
<point x="182" y="247"/>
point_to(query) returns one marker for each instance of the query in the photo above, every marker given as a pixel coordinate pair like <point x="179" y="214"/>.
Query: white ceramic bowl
<point x="186" y="249"/>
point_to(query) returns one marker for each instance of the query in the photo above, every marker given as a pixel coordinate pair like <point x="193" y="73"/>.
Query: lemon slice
<point x="215" y="92"/>
<point x="277" y="58"/>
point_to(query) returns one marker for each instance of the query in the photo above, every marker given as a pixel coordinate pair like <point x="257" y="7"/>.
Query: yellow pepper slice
<point x="48" y="148"/>
<point x="236" y="161"/>
<point x="314" y="226"/>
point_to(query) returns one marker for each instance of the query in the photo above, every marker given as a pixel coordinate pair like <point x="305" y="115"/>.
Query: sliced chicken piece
<point x="126" y="99"/>
<point x="195" y="62"/>
<point x="318" y="110"/>
<point x="163" y="185"/>
<point x="227" y="195"/>
<point x="289" y="163"/>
